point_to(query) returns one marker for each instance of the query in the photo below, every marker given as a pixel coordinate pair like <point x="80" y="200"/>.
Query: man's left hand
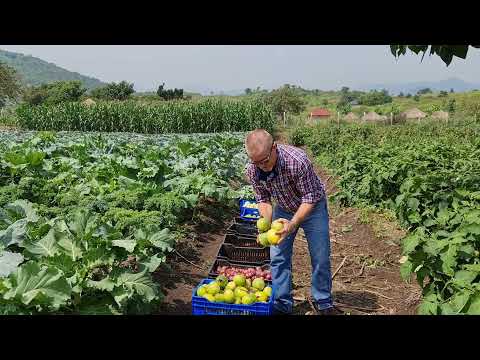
<point x="288" y="228"/>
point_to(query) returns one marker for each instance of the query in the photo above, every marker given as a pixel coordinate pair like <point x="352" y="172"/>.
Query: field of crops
<point x="429" y="175"/>
<point x="206" y="116"/>
<point x="86" y="218"/>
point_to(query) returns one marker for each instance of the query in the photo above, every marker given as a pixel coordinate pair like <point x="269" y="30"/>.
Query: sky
<point x="217" y="67"/>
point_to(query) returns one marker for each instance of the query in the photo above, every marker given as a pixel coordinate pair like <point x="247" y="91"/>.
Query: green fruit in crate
<point x="222" y="281"/>
<point x="248" y="283"/>
<point x="229" y="296"/>
<point x="240" y="292"/>
<point x="249" y="299"/>
<point x="213" y="288"/>
<point x="263" y="224"/>
<point x="258" y="293"/>
<point x="258" y="284"/>
<point x="268" y="291"/>
<point x="238" y="301"/>
<point x="239" y="280"/>
<point x="263" y="239"/>
<point x="209" y="297"/>
<point x="231" y="286"/>
<point x="219" y="297"/>
<point x="202" y="290"/>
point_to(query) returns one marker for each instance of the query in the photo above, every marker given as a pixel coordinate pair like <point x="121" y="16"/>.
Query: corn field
<point x="208" y="116"/>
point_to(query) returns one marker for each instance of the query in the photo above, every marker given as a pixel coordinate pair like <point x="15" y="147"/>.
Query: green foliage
<point x="166" y="117"/>
<point x="430" y="180"/>
<point x="54" y="93"/>
<point x="113" y="91"/>
<point x="286" y="99"/>
<point x="375" y="98"/>
<point x="169" y="94"/>
<point x="10" y="86"/>
<point x="95" y="215"/>
<point x="445" y="52"/>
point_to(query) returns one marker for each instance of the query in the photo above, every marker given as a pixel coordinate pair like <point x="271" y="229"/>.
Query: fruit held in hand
<point x="263" y="224"/>
<point x="263" y="239"/>
<point x="272" y="236"/>
<point x="277" y="226"/>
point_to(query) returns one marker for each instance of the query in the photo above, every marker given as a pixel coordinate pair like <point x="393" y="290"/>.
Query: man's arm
<point x="265" y="210"/>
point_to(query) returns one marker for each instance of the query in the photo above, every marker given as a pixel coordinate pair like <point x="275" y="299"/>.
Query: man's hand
<point x="288" y="228"/>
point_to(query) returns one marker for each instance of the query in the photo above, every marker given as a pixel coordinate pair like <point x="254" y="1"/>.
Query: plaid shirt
<point x="295" y="183"/>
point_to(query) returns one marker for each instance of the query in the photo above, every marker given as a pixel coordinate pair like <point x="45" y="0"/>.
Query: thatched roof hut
<point x="413" y="114"/>
<point x="351" y="117"/>
<point x="442" y="115"/>
<point x="372" y="116"/>
<point x="88" y="102"/>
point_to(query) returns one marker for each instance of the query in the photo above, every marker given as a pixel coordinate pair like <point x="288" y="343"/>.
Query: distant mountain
<point x="457" y="85"/>
<point x="35" y="71"/>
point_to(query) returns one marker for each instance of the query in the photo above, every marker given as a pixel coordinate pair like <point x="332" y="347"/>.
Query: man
<point x="286" y="175"/>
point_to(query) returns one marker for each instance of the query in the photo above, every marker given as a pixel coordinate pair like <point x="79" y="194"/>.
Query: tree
<point x="375" y="98"/>
<point x="325" y="102"/>
<point x="344" y="107"/>
<point x="248" y="91"/>
<point x="10" y="88"/>
<point x="416" y="98"/>
<point x="401" y="94"/>
<point x="114" y="91"/>
<point x="285" y="99"/>
<point x="169" y="94"/>
<point x="445" y="52"/>
<point x="443" y="94"/>
<point x="451" y="91"/>
<point x="451" y="106"/>
<point x="54" y="93"/>
<point x="408" y="95"/>
<point x="424" y="91"/>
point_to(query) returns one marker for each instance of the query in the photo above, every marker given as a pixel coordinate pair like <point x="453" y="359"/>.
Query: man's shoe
<point x="329" y="311"/>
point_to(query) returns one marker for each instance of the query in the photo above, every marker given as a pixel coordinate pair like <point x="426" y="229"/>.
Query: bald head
<point x="258" y="142"/>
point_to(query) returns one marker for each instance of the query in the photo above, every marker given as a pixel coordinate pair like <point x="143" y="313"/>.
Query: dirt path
<point x="365" y="260"/>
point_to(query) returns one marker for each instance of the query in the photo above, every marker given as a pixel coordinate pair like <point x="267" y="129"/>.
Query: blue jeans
<point x="316" y="230"/>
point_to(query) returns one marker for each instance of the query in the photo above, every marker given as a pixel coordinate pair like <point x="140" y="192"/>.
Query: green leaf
<point x="31" y="284"/>
<point x="465" y="276"/>
<point x="14" y="234"/>
<point x="410" y="243"/>
<point x="69" y="246"/>
<point x="413" y="203"/>
<point x="105" y="284"/>
<point x="127" y="244"/>
<point x="406" y="269"/>
<point x="429" y="305"/>
<point x="47" y="246"/>
<point x="152" y="262"/>
<point x="129" y="283"/>
<point x="9" y="262"/>
<point x="23" y="209"/>
<point x="474" y="307"/>
<point x="449" y="259"/>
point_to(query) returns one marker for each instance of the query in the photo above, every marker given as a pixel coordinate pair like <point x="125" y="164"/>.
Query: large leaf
<point x="162" y="240"/>
<point x="105" y="284"/>
<point x="9" y="262"/>
<point x="152" y="262"/>
<point x="14" y="234"/>
<point x="127" y="244"/>
<point x="31" y="284"/>
<point x="140" y="283"/>
<point x="69" y="245"/>
<point x="23" y="209"/>
<point x="47" y="246"/>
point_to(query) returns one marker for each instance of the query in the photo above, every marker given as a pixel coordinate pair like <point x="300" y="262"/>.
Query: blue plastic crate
<point x="201" y="306"/>
<point x="248" y="211"/>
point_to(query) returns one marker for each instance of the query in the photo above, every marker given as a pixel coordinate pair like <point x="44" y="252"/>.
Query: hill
<point x="35" y="71"/>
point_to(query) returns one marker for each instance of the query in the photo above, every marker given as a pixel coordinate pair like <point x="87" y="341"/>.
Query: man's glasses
<point x="266" y="160"/>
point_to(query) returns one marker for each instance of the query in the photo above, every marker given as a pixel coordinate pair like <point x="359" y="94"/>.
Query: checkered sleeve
<point x="309" y="185"/>
<point x="261" y="192"/>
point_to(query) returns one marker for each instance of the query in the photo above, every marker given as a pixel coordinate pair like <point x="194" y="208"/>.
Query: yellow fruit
<point x="219" y="298"/>
<point x="277" y="226"/>
<point x="240" y="292"/>
<point x="249" y="299"/>
<point x="263" y="239"/>
<point x="231" y="286"/>
<point x="263" y="224"/>
<point x="229" y="296"/>
<point x="268" y="291"/>
<point x="202" y="290"/>
<point x="262" y="297"/>
<point x="213" y="288"/>
<point x="272" y="236"/>
<point x="209" y="297"/>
